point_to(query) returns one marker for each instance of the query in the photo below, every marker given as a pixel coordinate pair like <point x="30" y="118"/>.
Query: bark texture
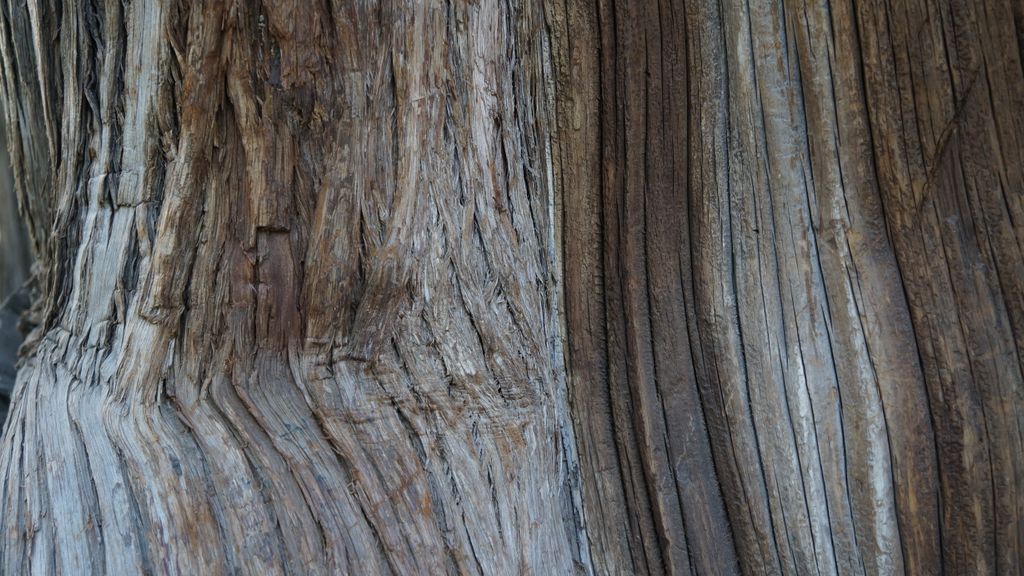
<point x="302" y="269"/>
<point x="298" y="311"/>
<point x="793" y="283"/>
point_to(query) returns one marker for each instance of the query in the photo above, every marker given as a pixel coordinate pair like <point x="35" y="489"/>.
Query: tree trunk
<point x="299" y="307"/>
<point x="517" y="286"/>
<point x="793" y="251"/>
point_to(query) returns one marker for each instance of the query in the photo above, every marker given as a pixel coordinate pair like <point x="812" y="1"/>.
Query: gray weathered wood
<point x="299" y="301"/>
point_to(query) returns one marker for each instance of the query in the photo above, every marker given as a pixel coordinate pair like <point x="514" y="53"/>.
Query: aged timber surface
<point x="298" y="311"/>
<point x="518" y="287"/>
<point x="794" y="282"/>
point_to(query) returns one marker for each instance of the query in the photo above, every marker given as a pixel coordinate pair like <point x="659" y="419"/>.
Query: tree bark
<point x="793" y="283"/>
<point x="518" y="286"/>
<point x="299" y="310"/>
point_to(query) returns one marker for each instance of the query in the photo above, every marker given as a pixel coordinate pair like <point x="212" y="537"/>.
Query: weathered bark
<point x="793" y="236"/>
<point x="300" y="311"/>
<point x="302" y="267"/>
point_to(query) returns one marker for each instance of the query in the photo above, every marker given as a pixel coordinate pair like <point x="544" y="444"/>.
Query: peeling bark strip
<point x="299" y="314"/>
<point x="301" y="264"/>
<point x="792" y="238"/>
